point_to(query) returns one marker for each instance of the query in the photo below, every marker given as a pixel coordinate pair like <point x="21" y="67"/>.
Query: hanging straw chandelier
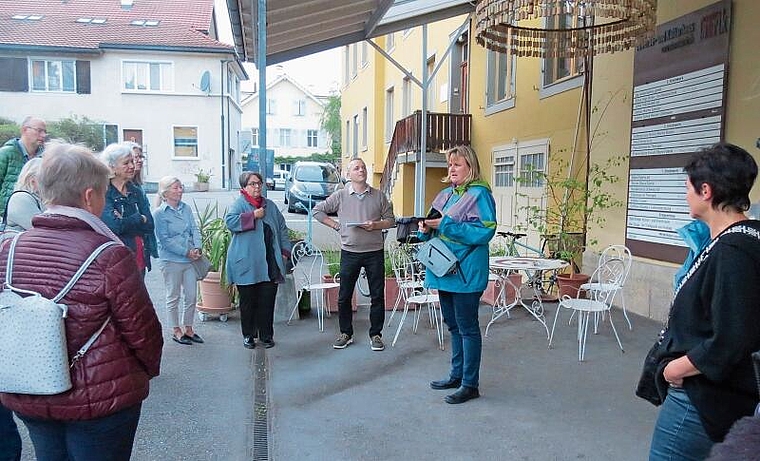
<point x="573" y="28"/>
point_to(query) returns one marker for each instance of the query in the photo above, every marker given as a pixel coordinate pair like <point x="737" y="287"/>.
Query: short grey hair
<point x="115" y="152"/>
<point x="67" y="171"/>
<point x="28" y="173"/>
<point x="246" y="176"/>
<point x="164" y="184"/>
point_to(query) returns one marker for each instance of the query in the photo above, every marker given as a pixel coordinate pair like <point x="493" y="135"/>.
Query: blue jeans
<point x="460" y="312"/>
<point x="678" y="433"/>
<point x="350" y="266"/>
<point x="107" y="438"/>
<point x="10" y="440"/>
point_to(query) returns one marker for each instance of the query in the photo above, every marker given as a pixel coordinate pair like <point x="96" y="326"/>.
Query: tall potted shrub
<point x="573" y="203"/>
<point x="216" y="293"/>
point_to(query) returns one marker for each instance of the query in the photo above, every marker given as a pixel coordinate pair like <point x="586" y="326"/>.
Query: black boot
<point x="462" y="395"/>
<point x="451" y="383"/>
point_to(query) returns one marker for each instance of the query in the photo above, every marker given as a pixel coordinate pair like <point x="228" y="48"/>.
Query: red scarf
<point x="257" y="202"/>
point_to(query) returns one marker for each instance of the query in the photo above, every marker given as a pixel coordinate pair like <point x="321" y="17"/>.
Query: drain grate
<point x="260" y="408"/>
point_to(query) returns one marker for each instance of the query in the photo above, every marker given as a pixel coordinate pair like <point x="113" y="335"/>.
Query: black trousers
<point x="350" y="265"/>
<point x="257" y="309"/>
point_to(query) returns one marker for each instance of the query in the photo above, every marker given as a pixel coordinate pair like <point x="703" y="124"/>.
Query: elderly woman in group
<point x="255" y="259"/>
<point x="713" y="322"/>
<point x="127" y="210"/>
<point x="179" y="244"/>
<point x="463" y="216"/>
<point x="24" y="202"/>
<point x="100" y="413"/>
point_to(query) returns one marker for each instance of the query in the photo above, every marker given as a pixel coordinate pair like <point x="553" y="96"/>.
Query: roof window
<point x="145" y="22"/>
<point x="91" y="20"/>
<point x="27" y="17"/>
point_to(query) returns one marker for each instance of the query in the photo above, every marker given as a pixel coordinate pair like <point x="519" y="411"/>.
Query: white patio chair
<point x="432" y="303"/>
<point x="608" y="275"/>
<point x="613" y="252"/>
<point x="308" y="268"/>
<point x="407" y="277"/>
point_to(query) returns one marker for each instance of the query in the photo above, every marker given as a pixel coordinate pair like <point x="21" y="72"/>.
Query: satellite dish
<point x="206" y="81"/>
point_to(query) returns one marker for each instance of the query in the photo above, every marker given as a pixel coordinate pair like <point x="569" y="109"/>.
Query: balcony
<point x="443" y="132"/>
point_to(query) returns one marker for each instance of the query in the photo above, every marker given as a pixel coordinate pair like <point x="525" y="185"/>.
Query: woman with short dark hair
<point x="97" y="418"/>
<point x="713" y="322"/>
<point x="256" y="258"/>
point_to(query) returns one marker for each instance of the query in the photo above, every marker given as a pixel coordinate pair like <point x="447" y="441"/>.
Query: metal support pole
<point x="419" y="172"/>
<point x="261" y="64"/>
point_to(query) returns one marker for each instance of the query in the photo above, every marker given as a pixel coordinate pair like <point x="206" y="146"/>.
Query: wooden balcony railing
<point x="443" y="132"/>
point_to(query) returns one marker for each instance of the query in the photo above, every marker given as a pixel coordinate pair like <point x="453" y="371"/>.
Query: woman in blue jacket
<point x="467" y="222"/>
<point x="256" y="258"/>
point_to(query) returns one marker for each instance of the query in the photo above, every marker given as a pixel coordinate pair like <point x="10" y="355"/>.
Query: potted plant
<point x="498" y="247"/>
<point x="573" y="203"/>
<point x="216" y="293"/>
<point x="202" y="178"/>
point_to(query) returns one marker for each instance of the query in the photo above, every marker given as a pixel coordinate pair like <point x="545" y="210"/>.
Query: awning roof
<point x="298" y="28"/>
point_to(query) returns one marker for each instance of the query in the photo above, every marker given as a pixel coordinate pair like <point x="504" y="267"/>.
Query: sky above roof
<point x="319" y="73"/>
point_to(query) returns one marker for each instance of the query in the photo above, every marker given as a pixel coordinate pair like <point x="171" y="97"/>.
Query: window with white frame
<point x="532" y="169"/>
<point x="406" y="96"/>
<point x="504" y="170"/>
<point x="364" y="127"/>
<point x="365" y="52"/>
<point x="312" y="138"/>
<point x="557" y="69"/>
<point x="431" y="93"/>
<point x="271" y="106"/>
<point x="348" y="137"/>
<point x="147" y="76"/>
<point x="285" y="137"/>
<point x="355" y="150"/>
<point x="254" y="136"/>
<point x="390" y="121"/>
<point x="354" y="59"/>
<point x="186" y="141"/>
<point x="390" y="42"/>
<point x="299" y="107"/>
<point x="500" y="81"/>
<point x="346" y="64"/>
<point x="54" y="75"/>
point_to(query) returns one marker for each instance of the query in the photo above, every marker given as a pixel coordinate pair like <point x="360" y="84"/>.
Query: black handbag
<point x="652" y="386"/>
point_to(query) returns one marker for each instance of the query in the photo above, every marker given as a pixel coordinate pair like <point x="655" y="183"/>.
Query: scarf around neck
<point x="257" y="202"/>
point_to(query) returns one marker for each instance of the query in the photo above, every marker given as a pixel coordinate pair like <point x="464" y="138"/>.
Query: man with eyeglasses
<point x="16" y="152"/>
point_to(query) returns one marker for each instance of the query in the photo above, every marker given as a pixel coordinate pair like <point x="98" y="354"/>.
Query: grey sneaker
<point x="342" y="341"/>
<point x="376" y="343"/>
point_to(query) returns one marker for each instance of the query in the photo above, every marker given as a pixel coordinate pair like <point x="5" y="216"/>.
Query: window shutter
<point x="14" y="76"/>
<point x="83" y="77"/>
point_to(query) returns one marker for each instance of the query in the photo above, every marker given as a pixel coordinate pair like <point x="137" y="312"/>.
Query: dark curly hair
<point x="729" y="170"/>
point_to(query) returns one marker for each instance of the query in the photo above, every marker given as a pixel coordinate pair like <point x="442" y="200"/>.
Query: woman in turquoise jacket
<point x="255" y="258"/>
<point x="463" y="216"/>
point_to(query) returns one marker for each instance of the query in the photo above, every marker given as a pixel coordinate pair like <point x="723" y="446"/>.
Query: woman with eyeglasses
<point x="256" y="258"/>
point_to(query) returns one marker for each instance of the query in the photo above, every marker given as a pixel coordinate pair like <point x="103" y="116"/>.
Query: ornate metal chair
<point x="308" y="268"/>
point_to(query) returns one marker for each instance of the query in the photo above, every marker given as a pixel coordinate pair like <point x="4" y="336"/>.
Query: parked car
<point x="278" y="179"/>
<point x="310" y="179"/>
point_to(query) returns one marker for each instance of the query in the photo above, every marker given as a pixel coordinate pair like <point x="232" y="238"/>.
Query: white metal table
<point x="502" y="266"/>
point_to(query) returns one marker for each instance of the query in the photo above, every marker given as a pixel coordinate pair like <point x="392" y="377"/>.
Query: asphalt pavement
<point x="304" y="400"/>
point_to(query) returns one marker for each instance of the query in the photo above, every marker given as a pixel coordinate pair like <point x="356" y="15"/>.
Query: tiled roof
<point x="181" y="24"/>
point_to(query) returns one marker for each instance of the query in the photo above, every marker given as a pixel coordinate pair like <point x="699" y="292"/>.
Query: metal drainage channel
<point x="260" y="408"/>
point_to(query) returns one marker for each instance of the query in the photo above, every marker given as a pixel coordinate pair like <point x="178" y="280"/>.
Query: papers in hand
<point x="354" y="224"/>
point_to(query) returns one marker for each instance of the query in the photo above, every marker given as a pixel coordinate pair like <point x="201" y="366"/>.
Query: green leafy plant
<point x="332" y="261"/>
<point x="203" y="176"/>
<point x="572" y="204"/>
<point x="295" y="236"/>
<point x="215" y="239"/>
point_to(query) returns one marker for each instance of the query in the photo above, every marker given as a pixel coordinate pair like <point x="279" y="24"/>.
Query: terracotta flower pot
<point x="331" y="296"/>
<point x="492" y="290"/>
<point x="391" y="292"/>
<point x="570" y="284"/>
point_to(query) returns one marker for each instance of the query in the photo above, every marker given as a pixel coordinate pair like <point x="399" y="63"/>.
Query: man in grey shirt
<point x="363" y="212"/>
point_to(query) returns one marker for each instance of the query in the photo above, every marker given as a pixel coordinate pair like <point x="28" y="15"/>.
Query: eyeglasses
<point x="254" y="183"/>
<point x="38" y="130"/>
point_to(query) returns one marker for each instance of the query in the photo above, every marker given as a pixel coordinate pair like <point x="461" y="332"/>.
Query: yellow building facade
<point x="527" y="114"/>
